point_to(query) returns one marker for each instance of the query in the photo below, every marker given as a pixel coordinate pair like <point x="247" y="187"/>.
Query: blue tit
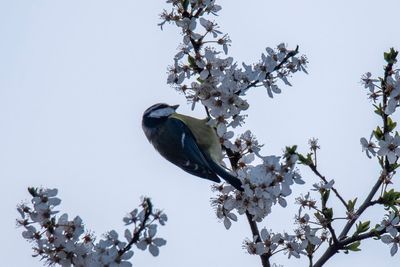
<point x="189" y="143"/>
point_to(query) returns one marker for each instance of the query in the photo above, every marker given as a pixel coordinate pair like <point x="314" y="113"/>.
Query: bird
<point x="188" y="142"/>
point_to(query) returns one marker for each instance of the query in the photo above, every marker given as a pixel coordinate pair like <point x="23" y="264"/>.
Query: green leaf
<point x="305" y="160"/>
<point x="378" y="133"/>
<point x="394" y="166"/>
<point x="391" y="198"/>
<point x="390" y="57"/>
<point x="185" y="4"/>
<point x="200" y="80"/>
<point x="319" y="217"/>
<point x="353" y="246"/>
<point x="391" y="124"/>
<point x="386" y="56"/>
<point x="328" y="213"/>
<point x="192" y="62"/>
<point x="325" y="196"/>
<point x="291" y="150"/>
<point x="378" y="109"/>
<point x="33" y="191"/>
<point x="362" y="227"/>
<point x="351" y="204"/>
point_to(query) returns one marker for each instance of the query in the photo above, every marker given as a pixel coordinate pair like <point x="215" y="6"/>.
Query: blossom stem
<point x="279" y="250"/>
<point x="314" y="169"/>
<point x="310" y="259"/>
<point x="277" y="67"/>
<point x="147" y="212"/>
<point x="332" y="231"/>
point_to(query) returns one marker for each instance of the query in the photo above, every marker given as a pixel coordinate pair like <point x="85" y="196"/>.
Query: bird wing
<point x="183" y="151"/>
<point x="209" y="145"/>
<point x="206" y="136"/>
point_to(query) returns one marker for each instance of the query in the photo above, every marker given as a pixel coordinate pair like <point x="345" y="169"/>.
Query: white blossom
<point x="368" y="146"/>
<point x="392" y="239"/>
<point x="323" y="185"/>
<point x="393" y="83"/>
<point x="65" y="242"/>
<point x="389" y="147"/>
<point x="368" y="82"/>
<point x="149" y="240"/>
<point x="390" y="223"/>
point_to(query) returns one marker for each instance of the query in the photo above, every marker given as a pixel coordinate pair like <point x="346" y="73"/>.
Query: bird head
<point x="159" y="111"/>
<point x="157" y="114"/>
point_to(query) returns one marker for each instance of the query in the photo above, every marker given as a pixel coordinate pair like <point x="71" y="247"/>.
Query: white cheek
<point x="164" y="112"/>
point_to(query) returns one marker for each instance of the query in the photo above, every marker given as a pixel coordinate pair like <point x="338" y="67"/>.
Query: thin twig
<point x="367" y="203"/>
<point x="360" y="237"/>
<point x="314" y="169"/>
<point x="342" y="244"/>
<point x="310" y="259"/>
<point x="136" y="235"/>
<point x="277" y="67"/>
<point x="333" y="234"/>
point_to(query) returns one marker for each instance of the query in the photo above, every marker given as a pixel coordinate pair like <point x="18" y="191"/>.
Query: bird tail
<point x="220" y="171"/>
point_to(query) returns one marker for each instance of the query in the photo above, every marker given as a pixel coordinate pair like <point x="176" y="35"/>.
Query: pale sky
<point x="76" y="76"/>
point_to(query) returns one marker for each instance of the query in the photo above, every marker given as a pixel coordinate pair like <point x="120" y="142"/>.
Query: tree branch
<point x="367" y="203"/>
<point x="343" y="241"/>
<point x="256" y="233"/>
<point x="233" y="159"/>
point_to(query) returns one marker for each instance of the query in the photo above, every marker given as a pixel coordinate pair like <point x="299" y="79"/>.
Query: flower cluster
<point x="264" y="185"/>
<point x="388" y="146"/>
<point x="384" y="141"/>
<point x="293" y="245"/>
<point x="391" y="224"/>
<point x="65" y="242"/>
<point x="391" y="89"/>
<point x="306" y="239"/>
<point x="205" y="74"/>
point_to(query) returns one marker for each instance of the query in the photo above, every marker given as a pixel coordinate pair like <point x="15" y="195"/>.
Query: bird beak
<point x="175" y="107"/>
